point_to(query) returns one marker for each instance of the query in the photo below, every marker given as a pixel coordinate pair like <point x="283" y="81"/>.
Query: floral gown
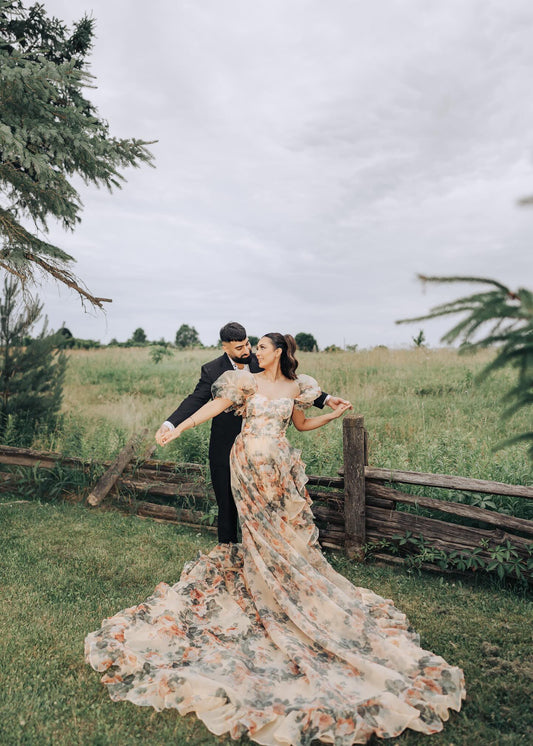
<point x="264" y="638"/>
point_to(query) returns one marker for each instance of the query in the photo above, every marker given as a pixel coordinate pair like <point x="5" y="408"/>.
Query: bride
<point x="265" y="638"/>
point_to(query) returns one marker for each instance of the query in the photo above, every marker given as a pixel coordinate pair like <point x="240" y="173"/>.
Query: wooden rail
<point x="448" y="481"/>
<point x="472" y="512"/>
<point x="356" y="507"/>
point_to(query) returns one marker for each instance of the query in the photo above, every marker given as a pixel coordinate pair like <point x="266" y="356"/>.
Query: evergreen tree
<point x="306" y="342"/>
<point x="509" y="317"/>
<point x="49" y="133"/>
<point x="31" y="376"/>
<point x="187" y="336"/>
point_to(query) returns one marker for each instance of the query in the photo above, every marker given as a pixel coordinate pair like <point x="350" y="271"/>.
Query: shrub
<point x="31" y="375"/>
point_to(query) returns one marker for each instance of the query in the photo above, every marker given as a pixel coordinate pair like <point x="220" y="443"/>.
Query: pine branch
<point x="526" y="438"/>
<point x="17" y="239"/>
<point x="23" y="251"/>
<point x="510" y="319"/>
<point x="471" y="280"/>
<point x="67" y="278"/>
<point x="49" y="133"/>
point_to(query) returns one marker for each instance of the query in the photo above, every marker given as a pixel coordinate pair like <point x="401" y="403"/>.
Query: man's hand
<point x="335" y="401"/>
<point x="159" y="434"/>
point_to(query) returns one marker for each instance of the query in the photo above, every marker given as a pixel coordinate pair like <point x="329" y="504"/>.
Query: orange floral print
<point x="264" y="638"/>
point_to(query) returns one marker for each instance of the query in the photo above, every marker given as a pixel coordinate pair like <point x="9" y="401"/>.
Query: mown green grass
<point x="64" y="568"/>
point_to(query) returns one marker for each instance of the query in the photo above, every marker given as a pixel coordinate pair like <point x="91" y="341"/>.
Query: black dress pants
<point x="228" y="519"/>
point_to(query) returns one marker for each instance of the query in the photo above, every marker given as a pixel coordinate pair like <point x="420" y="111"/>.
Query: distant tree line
<point x="186" y="337"/>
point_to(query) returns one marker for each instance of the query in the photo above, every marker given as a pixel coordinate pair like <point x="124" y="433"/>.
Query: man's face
<point x="239" y="352"/>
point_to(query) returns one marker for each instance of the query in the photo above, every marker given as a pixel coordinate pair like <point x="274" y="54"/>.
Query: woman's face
<point x="266" y="353"/>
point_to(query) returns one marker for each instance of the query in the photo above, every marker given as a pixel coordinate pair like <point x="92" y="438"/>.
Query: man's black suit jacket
<point x="226" y="426"/>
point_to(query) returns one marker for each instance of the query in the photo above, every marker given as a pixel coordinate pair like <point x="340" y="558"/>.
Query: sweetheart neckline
<point x="278" y="398"/>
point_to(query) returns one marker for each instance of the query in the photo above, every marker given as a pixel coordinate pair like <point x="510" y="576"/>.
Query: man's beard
<point x="242" y="360"/>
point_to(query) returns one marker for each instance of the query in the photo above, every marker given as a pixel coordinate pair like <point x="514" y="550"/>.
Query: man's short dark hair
<point x="233" y="332"/>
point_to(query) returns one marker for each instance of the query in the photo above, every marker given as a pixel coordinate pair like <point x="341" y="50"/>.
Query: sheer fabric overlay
<point x="265" y="638"/>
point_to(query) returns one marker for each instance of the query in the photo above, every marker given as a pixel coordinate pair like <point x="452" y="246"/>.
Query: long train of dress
<point x="264" y="637"/>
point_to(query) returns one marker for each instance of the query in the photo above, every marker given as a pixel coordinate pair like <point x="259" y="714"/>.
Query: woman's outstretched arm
<point x="301" y="422"/>
<point x="207" y="412"/>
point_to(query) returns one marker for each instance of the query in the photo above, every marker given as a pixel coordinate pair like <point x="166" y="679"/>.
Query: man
<point x="226" y="426"/>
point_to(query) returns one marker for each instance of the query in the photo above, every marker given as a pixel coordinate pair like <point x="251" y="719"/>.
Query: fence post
<point x="108" y="480"/>
<point x="354" y="485"/>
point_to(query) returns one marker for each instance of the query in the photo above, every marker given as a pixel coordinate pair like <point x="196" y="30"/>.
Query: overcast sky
<point x="312" y="157"/>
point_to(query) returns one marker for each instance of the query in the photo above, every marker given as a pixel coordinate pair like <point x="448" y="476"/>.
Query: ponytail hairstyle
<point x="287" y="344"/>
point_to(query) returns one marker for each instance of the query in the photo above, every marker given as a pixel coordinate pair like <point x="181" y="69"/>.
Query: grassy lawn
<point x="64" y="568"/>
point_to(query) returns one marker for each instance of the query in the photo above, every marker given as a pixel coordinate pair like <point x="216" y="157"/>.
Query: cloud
<point x="311" y="158"/>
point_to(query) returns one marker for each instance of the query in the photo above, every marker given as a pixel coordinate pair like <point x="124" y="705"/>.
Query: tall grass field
<point x="64" y="567"/>
<point x="424" y="410"/>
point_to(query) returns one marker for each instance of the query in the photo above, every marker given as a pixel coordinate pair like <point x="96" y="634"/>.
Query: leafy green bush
<point x="502" y="560"/>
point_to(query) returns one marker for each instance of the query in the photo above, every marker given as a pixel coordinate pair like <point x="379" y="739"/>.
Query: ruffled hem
<point x="188" y="678"/>
<point x="385" y="716"/>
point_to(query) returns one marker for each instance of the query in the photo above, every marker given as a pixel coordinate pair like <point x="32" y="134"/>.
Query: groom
<point x="226" y="426"/>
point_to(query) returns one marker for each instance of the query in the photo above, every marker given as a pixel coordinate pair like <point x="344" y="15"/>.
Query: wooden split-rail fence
<point x="353" y="510"/>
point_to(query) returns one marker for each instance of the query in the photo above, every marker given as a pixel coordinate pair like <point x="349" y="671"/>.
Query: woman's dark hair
<point x="287" y="344"/>
<point x="232" y="332"/>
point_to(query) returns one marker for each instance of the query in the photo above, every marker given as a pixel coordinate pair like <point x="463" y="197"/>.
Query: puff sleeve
<point x="236" y="385"/>
<point x="309" y="391"/>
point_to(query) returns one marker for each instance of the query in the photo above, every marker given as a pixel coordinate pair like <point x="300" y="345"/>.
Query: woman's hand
<point x="339" y="410"/>
<point x="165" y="428"/>
<point x="301" y="422"/>
<point x="335" y="401"/>
<point x="166" y="437"/>
<point x="207" y="412"/>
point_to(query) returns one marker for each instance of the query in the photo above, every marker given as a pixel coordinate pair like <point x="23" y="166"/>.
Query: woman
<point x="264" y="638"/>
